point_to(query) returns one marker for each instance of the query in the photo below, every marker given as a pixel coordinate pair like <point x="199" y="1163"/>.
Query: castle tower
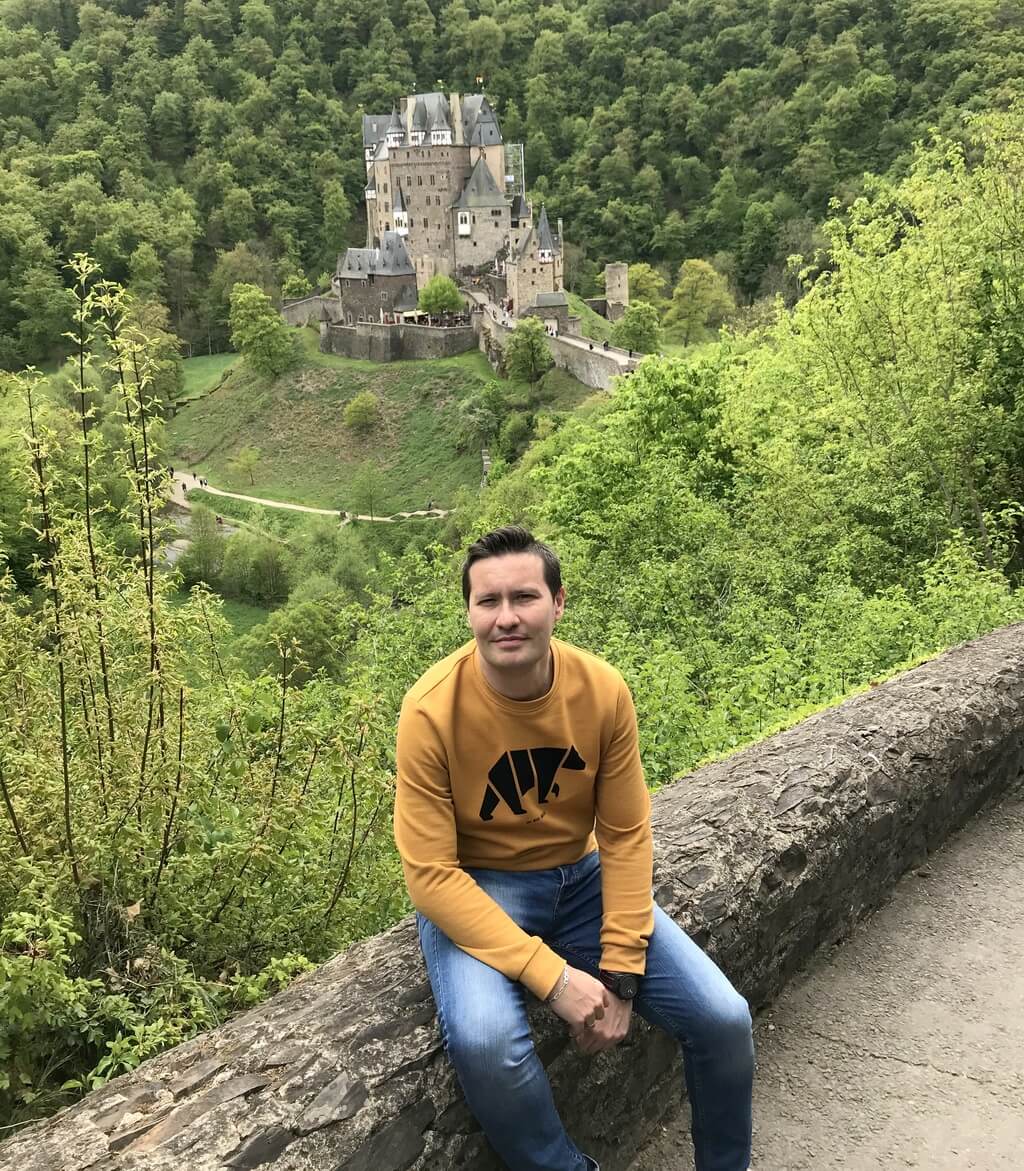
<point x="616" y="289"/>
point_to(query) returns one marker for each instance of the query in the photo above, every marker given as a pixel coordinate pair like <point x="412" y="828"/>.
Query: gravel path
<point x="184" y="481"/>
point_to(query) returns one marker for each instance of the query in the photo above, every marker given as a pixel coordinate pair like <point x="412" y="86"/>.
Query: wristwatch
<point x="625" y="985"/>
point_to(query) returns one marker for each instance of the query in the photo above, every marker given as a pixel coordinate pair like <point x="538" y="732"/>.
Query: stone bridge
<point x="766" y="858"/>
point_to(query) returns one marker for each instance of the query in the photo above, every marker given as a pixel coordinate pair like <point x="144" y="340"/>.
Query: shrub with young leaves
<point x="179" y="828"/>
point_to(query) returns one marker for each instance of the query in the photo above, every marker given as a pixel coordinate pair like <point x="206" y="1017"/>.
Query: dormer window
<point x="545" y="256"/>
<point x="416" y="138"/>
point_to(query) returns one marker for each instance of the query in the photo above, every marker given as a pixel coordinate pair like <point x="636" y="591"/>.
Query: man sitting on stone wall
<point x="523" y="822"/>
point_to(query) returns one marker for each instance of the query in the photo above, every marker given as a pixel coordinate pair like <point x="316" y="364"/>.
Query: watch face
<point x="628" y="987"/>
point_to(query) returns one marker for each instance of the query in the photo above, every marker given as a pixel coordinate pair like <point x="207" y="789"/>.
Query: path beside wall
<point x="595" y="367"/>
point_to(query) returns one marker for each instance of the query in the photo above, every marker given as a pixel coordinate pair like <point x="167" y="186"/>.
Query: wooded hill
<point x="188" y="144"/>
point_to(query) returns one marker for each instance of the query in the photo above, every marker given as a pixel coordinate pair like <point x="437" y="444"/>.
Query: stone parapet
<point x="762" y="857"/>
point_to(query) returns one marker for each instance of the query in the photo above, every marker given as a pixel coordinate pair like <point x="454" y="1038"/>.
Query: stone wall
<point x="307" y="310"/>
<point x="393" y="343"/>
<point x="431" y="177"/>
<point x="763" y="857"/>
<point x="487" y="236"/>
<point x="597" y="367"/>
<point x="372" y="294"/>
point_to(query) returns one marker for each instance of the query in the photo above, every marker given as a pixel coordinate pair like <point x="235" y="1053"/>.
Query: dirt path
<point x="183" y="481"/>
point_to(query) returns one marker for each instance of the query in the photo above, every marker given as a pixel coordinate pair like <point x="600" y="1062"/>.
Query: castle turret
<point x="545" y="243"/>
<point x="440" y="130"/>
<point x="401" y="214"/>
<point x="419" y="123"/>
<point x="395" y="134"/>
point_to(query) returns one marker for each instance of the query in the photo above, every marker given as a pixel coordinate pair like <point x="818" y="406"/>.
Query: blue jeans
<point x="484" y="1025"/>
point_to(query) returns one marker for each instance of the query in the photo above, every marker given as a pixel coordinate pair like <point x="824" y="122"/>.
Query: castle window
<point x="495" y="211"/>
<point x="385" y="188"/>
<point x="437" y="199"/>
<point x="431" y="180"/>
<point x="425" y="224"/>
<point x="387" y="207"/>
<point x="419" y="180"/>
<point x="383" y="296"/>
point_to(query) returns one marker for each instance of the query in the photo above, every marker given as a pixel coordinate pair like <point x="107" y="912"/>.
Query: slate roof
<point x="539" y="237"/>
<point x="390" y="259"/>
<point x="548" y="299"/>
<point x="544" y="231"/>
<point x="374" y="128"/>
<point x="399" y="201"/>
<point x="520" y="208"/>
<point x="481" y="189"/>
<point x="479" y="122"/>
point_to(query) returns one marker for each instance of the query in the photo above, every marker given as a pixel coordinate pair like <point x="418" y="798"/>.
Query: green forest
<point x="189" y="144"/>
<point x="824" y="492"/>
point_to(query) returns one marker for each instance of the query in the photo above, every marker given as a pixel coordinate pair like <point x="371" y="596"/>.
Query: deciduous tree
<point x="258" y="332"/>
<point x="527" y="351"/>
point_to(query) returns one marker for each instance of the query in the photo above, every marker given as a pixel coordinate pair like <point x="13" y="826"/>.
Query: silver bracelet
<point x="561" y="987"/>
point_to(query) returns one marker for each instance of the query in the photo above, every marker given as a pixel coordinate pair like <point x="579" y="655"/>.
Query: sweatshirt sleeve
<point x="440" y="889"/>
<point x="623" y="831"/>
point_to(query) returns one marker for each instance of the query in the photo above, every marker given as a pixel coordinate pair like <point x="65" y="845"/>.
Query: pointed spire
<point x="545" y="242"/>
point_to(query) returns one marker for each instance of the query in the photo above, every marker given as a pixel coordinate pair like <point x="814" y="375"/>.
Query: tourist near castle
<point x="523" y="821"/>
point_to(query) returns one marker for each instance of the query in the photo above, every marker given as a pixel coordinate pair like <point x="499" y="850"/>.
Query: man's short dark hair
<point x="512" y="539"/>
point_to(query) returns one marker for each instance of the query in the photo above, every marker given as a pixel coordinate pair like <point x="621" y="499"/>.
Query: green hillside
<point x="309" y="456"/>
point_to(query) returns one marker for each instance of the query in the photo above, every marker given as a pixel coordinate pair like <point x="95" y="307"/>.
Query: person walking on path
<point x="523" y="823"/>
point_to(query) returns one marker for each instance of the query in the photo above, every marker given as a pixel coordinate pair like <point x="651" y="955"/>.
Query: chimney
<point x="458" y="139"/>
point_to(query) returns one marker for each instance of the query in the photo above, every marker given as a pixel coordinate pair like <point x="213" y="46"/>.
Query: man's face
<point x="511" y="611"/>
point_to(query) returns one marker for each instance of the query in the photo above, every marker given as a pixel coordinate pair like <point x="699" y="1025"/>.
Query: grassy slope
<point x="310" y="457"/>
<point x="591" y="324"/>
<point x="202" y="374"/>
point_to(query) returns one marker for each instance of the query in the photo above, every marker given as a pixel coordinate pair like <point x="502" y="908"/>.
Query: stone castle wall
<point x="486" y="238"/>
<point x="307" y="311"/>
<point x="763" y="858"/>
<point x="392" y="343"/>
<point x="594" y="368"/>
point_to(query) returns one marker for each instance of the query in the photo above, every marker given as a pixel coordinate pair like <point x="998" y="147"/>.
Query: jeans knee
<point x="726" y="1028"/>
<point x="487" y="1055"/>
<point x="733" y="1030"/>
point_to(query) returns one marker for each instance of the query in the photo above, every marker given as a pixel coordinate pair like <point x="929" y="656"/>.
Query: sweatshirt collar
<point x="521" y="707"/>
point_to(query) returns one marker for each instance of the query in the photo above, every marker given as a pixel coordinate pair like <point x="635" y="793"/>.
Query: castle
<point x="446" y="194"/>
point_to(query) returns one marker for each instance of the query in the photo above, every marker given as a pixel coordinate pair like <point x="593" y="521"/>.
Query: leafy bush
<point x="362" y="412"/>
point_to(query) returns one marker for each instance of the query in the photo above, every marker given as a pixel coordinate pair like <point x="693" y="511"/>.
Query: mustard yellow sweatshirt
<point x="507" y="784"/>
